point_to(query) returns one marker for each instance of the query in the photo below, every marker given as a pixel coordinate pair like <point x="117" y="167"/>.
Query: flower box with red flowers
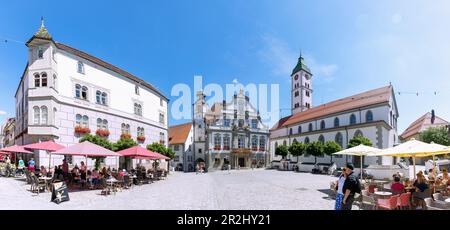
<point x="125" y="136"/>
<point x="162" y="142"/>
<point x="102" y="132"/>
<point x="262" y="149"/>
<point x="226" y="147"/>
<point x="254" y="149"/>
<point x="141" y="138"/>
<point x="217" y="148"/>
<point x="82" y="130"/>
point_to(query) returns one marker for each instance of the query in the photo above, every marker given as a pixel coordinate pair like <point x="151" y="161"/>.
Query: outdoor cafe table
<point x="383" y="194"/>
<point x="46" y="180"/>
<point x="447" y="200"/>
<point x="110" y="182"/>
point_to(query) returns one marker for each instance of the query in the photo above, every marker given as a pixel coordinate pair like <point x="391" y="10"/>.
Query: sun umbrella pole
<point x="414" y="164"/>
<point x="49" y="160"/>
<point x="361" y="157"/>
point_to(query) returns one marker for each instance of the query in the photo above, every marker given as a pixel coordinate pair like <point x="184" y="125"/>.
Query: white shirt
<point x="341" y="185"/>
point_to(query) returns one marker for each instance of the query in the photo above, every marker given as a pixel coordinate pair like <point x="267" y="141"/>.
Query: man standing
<point x="351" y="186"/>
<point x="65" y="168"/>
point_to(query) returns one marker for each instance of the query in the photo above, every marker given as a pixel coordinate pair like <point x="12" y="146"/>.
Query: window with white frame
<point x="254" y="142"/>
<point x="162" y="138"/>
<point x="226" y="142"/>
<point x="80" y="67"/>
<point x="262" y="143"/>
<point x="217" y="141"/>
<point x="140" y="132"/>
<point x="102" y="124"/>
<point x="37" y="80"/>
<point x="37" y="115"/>
<point x="84" y="93"/>
<point x="55" y="82"/>
<point x="241" y="141"/>
<point x="254" y="123"/>
<point x="138" y="109"/>
<point x="136" y="89"/>
<point x="44" y="79"/>
<point x="161" y="102"/>
<point x="40" y="53"/>
<point x="176" y="147"/>
<point x="101" y="98"/>
<point x="44" y="115"/>
<point x="85" y="121"/>
<point x="125" y="128"/>
<point x="78" y="119"/>
<point x="161" y="118"/>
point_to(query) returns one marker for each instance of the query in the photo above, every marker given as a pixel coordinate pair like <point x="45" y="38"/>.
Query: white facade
<point x="301" y="87"/>
<point x="184" y="155"/>
<point x="58" y="92"/>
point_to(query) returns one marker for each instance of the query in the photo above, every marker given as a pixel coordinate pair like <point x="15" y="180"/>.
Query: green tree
<point x="315" y="148"/>
<point x="98" y="141"/>
<point x="282" y="150"/>
<point x="355" y="141"/>
<point x="438" y="135"/>
<point x="331" y="147"/>
<point x="124" y="143"/>
<point x="297" y="149"/>
<point x="162" y="149"/>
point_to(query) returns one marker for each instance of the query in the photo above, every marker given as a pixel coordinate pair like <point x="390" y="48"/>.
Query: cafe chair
<point x="404" y="201"/>
<point x="389" y="203"/>
<point x="368" y="201"/>
<point x="438" y="196"/>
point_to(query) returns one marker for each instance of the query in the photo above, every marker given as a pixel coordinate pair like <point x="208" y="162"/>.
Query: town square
<point x="284" y="106"/>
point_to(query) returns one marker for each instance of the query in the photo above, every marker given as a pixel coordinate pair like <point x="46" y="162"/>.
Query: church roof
<point x="301" y="66"/>
<point x="42" y="33"/>
<point x="372" y="97"/>
<point x="178" y="134"/>
<point x="421" y="124"/>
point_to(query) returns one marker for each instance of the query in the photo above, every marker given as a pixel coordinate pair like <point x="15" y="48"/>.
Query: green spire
<point x="301" y="66"/>
<point x="43" y="32"/>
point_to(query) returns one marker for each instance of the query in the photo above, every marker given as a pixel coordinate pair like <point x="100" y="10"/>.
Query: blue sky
<point x="351" y="46"/>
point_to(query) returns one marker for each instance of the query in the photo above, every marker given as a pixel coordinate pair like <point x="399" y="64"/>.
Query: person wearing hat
<point x="351" y="186"/>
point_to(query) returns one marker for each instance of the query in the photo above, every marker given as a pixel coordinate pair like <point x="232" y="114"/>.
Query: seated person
<point x="397" y="187"/>
<point x="43" y="171"/>
<point x="95" y="177"/>
<point x="75" y="174"/>
<point x="421" y="183"/>
<point x="122" y="173"/>
<point x="432" y="175"/>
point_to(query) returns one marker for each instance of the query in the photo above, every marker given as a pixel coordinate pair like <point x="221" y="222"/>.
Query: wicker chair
<point x="37" y="186"/>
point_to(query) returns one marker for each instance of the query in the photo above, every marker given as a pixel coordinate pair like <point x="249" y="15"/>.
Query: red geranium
<point x="141" y="138"/>
<point x="102" y="132"/>
<point x="82" y="130"/>
<point x="125" y="136"/>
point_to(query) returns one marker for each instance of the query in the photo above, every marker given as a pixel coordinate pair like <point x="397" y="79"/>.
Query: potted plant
<point x="141" y="139"/>
<point x="82" y="130"/>
<point x="102" y="132"/>
<point x="125" y="136"/>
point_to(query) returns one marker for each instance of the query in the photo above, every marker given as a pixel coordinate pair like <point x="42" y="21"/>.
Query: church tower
<point x="301" y="93"/>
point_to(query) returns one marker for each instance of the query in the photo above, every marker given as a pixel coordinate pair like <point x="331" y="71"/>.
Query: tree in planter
<point x="355" y="141"/>
<point x="315" y="149"/>
<point x="124" y="143"/>
<point x="331" y="147"/>
<point x="282" y="150"/>
<point x="438" y="135"/>
<point x="98" y="141"/>
<point x="162" y="149"/>
<point x="297" y="149"/>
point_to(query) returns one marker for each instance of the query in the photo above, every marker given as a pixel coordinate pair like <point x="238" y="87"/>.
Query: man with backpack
<point x="351" y="187"/>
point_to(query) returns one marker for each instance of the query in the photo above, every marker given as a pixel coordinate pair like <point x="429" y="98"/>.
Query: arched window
<point x="352" y="119"/>
<point x="40" y="53"/>
<point x="85" y="121"/>
<point x="306" y="140"/>
<point x="37" y="80"/>
<point x="78" y="119"/>
<point x="84" y="93"/>
<point x="123" y="128"/>
<point x="338" y="139"/>
<point x="44" y="115"/>
<point x="99" y="123"/>
<point x="290" y="131"/>
<point x="78" y="91"/>
<point x="284" y="143"/>
<point x="358" y="133"/>
<point x="310" y="128"/>
<point x="322" y="125"/>
<point x="80" y="67"/>
<point x="217" y="144"/>
<point x="44" y="80"/>
<point x="299" y="129"/>
<point x="336" y="122"/>
<point x="369" y="116"/>
<point x="54" y="116"/>
<point x="37" y="115"/>
<point x="321" y="139"/>
<point x="141" y="132"/>
<point x="98" y="97"/>
<point x="254" y="142"/>
<point x="241" y="141"/>
<point x="137" y="109"/>
<point x="105" y="124"/>
<point x="262" y="143"/>
<point x="104" y="98"/>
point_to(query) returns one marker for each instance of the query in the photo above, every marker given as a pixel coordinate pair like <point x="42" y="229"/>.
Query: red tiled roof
<point x="106" y="65"/>
<point x="179" y="133"/>
<point x="423" y="123"/>
<point x="372" y="97"/>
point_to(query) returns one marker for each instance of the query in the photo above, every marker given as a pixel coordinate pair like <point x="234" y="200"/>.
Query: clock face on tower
<point x="296" y="77"/>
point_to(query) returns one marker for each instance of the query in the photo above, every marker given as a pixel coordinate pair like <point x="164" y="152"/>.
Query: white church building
<point x="372" y="114"/>
<point x="65" y="93"/>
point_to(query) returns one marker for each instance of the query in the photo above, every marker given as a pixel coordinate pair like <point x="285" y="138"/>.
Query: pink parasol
<point x="15" y="149"/>
<point x="141" y="153"/>
<point x="86" y="149"/>
<point x="50" y="146"/>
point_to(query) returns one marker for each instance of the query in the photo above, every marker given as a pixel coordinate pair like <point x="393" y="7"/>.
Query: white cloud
<point x="2" y="112"/>
<point x="277" y="54"/>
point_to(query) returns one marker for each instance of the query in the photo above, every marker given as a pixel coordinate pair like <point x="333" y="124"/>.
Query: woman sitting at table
<point x="397" y="187"/>
<point x="43" y="171"/>
<point x="432" y="175"/>
<point x="75" y="174"/>
<point x="420" y="183"/>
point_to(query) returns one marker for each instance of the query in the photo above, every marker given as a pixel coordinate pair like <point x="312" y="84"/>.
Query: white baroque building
<point x="181" y="138"/>
<point x="372" y="114"/>
<point x="64" y="93"/>
<point x="229" y="133"/>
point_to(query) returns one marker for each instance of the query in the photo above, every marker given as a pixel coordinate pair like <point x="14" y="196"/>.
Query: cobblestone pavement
<point x="239" y="189"/>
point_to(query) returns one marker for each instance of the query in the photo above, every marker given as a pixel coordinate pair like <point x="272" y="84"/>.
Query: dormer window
<point x="40" y="53"/>
<point x="80" y="67"/>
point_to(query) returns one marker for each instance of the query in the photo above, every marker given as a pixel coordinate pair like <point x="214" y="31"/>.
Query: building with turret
<point x="372" y="114"/>
<point x="65" y="93"/>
